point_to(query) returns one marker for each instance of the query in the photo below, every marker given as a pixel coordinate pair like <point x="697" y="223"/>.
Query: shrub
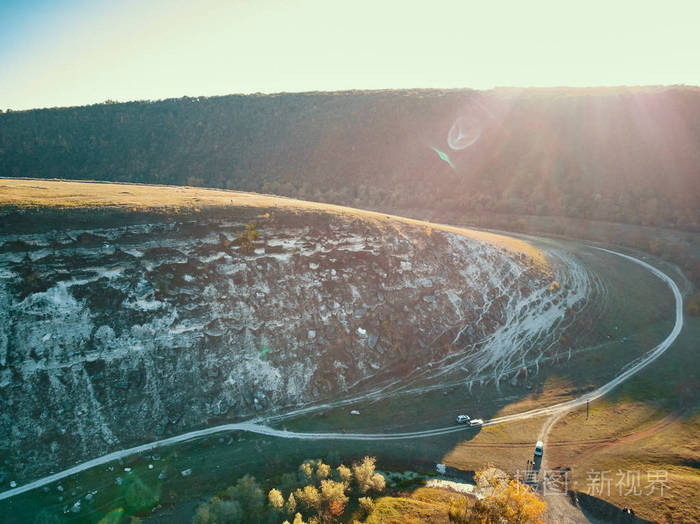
<point x="458" y="510"/>
<point x="250" y="496"/>
<point x="247" y="239"/>
<point x="289" y="482"/>
<point x="366" y="504"/>
<point x="219" y="511"/>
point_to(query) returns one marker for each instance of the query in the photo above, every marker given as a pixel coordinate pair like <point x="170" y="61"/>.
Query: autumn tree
<point x="333" y="500"/>
<point x="275" y="499"/>
<point x="322" y="470"/>
<point x="309" y="498"/>
<point x="324" y="497"/>
<point x="506" y="500"/>
<point x="314" y="470"/>
<point x="365" y="476"/>
<point x="297" y="520"/>
<point x="291" y="504"/>
<point x="344" y="474"/>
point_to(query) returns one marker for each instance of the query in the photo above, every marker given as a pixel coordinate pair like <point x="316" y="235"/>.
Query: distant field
<point x="39" y="194"/>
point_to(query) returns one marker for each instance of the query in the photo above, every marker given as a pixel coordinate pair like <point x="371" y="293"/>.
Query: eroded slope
<point x="121" y="334"/>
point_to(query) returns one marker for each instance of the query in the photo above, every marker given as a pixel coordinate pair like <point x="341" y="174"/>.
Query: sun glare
<point x="90" y="52"/>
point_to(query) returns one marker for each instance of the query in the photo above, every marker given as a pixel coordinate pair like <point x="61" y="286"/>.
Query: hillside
<point x="227" y="305"/>
<point x="149" y="328"/>
<point x="616" y="154"/>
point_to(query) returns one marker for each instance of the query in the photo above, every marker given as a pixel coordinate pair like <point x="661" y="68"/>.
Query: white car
<point x="463" y="419"/>
<point x="538" y="448"/>
<point x="476" y="422"/>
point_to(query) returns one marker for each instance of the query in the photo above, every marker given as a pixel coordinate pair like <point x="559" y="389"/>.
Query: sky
<point x="77" y="52"/>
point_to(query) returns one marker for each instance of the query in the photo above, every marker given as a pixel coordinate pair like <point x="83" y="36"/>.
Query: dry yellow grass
<point x="423" y="505"/>
<point x="400" y="510"/>
<point x="606" y="419"/>
<point x="554" y="390"/>
<point x="63" y="194"/>
<point x="634" y="438"/>
<point x="506" y="446"/>
<point x="509" y="446"/>
<point x="616" y="437"/>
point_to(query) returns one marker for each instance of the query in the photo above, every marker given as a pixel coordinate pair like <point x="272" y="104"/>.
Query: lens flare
<point x="464" y="133"/>
<point x="113" y="517"/>
<point x="443" y="156"/>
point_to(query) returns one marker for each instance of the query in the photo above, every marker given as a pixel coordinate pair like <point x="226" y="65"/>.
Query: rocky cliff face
<point x="120" y="335"/>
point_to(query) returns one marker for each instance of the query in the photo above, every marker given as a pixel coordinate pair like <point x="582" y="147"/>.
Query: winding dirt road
<point x="261" y="429"/>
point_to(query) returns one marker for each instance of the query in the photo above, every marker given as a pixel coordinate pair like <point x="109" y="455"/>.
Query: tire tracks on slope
<point x="261" y="429"/>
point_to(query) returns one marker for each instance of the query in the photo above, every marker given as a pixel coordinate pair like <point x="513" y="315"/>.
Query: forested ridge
<point x="618" y="154"/>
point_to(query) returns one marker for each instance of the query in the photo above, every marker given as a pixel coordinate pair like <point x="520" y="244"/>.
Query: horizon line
<point x="252" y="94"/>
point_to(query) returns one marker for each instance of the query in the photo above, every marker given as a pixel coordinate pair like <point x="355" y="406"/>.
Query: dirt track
<point x="259" y="427"/>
